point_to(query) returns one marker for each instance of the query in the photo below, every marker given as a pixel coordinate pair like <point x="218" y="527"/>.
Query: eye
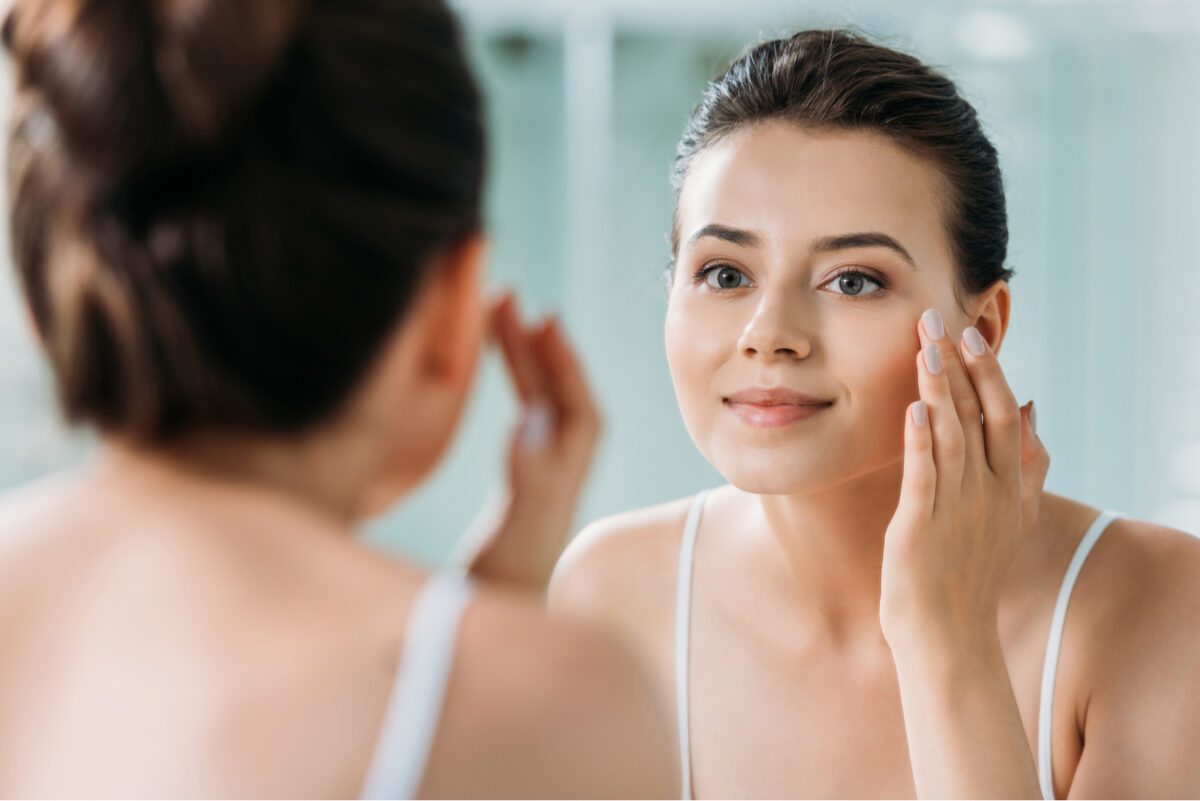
<point x="723" y="276"/>
<point x="854" y="282"/>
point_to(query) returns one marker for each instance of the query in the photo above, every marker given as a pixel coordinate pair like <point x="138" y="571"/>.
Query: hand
<point x="550" y="452"/>
<point x="969" y="496"/>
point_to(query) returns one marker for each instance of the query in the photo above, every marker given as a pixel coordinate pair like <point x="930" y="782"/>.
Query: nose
<point x="775" y="332"/>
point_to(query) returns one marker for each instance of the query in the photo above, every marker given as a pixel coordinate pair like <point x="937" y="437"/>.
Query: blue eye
<point x="853" y="282"/>
<point x="723" y="276"/>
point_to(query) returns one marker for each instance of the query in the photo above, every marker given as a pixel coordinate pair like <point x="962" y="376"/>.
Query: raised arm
<point x="967" y="501"/>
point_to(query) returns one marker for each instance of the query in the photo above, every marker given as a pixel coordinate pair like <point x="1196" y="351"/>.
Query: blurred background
<point x="1092" y="104"/>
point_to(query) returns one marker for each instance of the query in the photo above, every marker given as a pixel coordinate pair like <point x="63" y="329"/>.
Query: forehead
<point x="792" y="186"/>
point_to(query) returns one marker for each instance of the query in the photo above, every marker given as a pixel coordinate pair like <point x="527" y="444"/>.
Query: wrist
<point x="939" y="662"/>
<point x="516" y="568"/>
<point x="939" y="652"/>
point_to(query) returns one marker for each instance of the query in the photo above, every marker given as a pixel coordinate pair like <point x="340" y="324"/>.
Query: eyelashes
<point x="854" y="287"/>
<point x="718" y="269"/>
<point x="850" y="281"/>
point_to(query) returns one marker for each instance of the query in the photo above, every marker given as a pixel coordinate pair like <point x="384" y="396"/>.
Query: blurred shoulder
<point x="28" y="508"/>
<point x="547" y="707"/>
<point x="622" y="560"/>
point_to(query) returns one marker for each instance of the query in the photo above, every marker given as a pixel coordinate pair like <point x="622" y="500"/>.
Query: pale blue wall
<point x="1093" y="106"/>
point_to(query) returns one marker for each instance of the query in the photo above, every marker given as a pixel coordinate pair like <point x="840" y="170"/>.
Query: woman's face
<point x="805" y="260"/>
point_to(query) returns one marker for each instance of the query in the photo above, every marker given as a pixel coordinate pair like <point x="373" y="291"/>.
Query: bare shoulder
<point x="26" y="509"/>
<point x="1142" y="573"/>
<point x="1134" y="566"/>
<point x="545" y="707"/>
<point x="622" y="562"/>
<point x="1135" y="613"/>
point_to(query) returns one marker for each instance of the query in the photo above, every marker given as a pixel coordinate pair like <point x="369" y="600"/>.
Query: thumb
<point x="536" y="428"/>
<point x="531" y="439"/>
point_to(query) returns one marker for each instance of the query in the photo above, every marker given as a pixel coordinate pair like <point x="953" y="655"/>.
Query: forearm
<point x="525" y="549"/>
<point x="965" y="735"/>
<point x="508" y="565"/>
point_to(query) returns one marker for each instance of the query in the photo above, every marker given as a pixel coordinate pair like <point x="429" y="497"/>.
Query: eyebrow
<point x="867" y="239"/>
<point x="737" y="236"/>
<point x="826" y="244"/>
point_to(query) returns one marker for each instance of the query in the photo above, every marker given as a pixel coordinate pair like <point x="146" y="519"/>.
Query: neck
<point x="825" y="549"/>
<point x="323" y="474"/>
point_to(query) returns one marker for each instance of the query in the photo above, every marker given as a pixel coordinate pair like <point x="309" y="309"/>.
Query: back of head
<point x="837" y="80"/>
<point x="219" y="209"/>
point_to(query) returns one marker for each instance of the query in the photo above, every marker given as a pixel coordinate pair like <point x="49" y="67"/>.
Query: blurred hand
<point x="549" y="456"/>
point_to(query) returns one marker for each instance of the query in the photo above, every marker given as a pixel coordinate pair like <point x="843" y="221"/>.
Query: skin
<point x="198" y="620"/>
<point x="872" y="597"/>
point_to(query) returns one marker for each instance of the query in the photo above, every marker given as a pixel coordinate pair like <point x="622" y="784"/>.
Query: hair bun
<point x="128" y="82"/>
<point x="200" y="191"/>
<point x="215" y="55"/>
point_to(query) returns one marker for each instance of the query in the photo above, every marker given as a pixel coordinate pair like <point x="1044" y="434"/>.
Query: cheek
<point x="878" y="368"/>
<point x="696" y="349"/>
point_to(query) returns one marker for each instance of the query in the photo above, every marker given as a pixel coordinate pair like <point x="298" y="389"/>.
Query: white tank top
<point x="415" y="704"/>
<point x="683" y="606"/>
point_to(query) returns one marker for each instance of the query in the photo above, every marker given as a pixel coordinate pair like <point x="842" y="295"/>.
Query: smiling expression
<point x="804" y="262"/>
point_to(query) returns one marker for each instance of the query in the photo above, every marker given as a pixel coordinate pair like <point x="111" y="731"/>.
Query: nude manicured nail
<point x="933" y="324"/>
<point x="1033" y="418"/>
<point x="920" y="413"/>
<point x="974" y="341"/>
<point x="933" y="359"/>
<point x="536" y="429"/>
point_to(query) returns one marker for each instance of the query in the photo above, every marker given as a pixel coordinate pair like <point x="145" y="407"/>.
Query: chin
<point x="766" y="473"/>
<point x="788" y="470"/>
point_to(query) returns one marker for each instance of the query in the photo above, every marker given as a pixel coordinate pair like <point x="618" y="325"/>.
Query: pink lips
<point x="774" y="407"/>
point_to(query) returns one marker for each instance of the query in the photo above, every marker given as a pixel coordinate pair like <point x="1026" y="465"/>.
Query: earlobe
<point x="34" y="329"/>
<point x="991" y="317"/>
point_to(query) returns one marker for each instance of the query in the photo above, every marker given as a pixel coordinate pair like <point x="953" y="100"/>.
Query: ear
<point x="992" y="308"/>
<point x="452" y="317"/>
<point x="34" y="329"/>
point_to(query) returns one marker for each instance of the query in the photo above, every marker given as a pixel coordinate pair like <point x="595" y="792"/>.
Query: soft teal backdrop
<point x="1093" y="106"/>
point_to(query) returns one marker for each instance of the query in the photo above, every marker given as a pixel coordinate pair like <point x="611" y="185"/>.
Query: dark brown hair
<point x="221" y="208"/>
<point x="837" y="80"/>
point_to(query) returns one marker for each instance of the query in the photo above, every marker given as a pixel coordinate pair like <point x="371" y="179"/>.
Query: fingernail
<point x="933" y="359"/>
<point x="1033" y="418"/>
<point x="535" y="430"/>
<point x="974" y="341"/>
<point x="920" y="413"/>
<point x="932" y="321"/>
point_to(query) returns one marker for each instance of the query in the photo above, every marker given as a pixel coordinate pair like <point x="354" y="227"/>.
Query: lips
<point x="772" y="407"/>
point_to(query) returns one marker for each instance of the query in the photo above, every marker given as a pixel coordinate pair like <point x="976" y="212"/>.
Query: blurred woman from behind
<point x="249" y="238"/>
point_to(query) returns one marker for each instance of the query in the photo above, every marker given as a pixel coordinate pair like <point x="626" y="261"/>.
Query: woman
<point x="249" y="238"/>
<point x="874" y="605"/>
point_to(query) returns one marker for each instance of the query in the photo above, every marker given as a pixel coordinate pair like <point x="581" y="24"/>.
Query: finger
<point x="1035" y="464"/>
<point x="949" y="445"/>
<point x="517" y="349"/>
<point x="492" y="311"/>
<point x="567" y="385"/>
<point x="918" y="488"/>
<point x="1001" y="416"/>
<point x="966" y="401"/>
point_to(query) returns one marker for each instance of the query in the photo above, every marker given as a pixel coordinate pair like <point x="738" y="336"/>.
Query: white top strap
<point x="414" y="708"/>
<point x="683" y="615"/>
<point x="1050" y="669"/>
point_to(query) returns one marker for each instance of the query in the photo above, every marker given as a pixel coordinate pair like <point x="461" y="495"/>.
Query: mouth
<point x="774" y="408"/>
